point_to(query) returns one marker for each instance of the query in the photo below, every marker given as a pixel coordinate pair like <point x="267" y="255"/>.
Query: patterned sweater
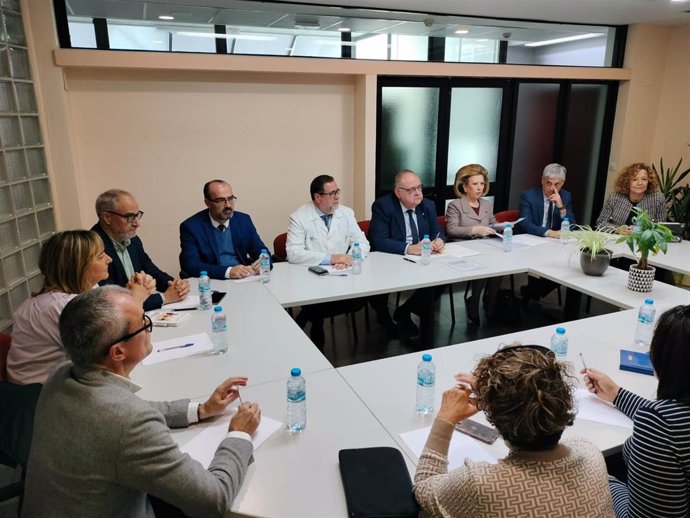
<point x="569" y="481"/>
<point x="657" y="455"/>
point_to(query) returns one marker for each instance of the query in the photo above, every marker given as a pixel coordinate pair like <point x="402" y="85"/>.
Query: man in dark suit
<point x="399" y="221"/>
<point x="544" y="208"/>
<point x="219" y="240"/>
<point x="119" y="218"/>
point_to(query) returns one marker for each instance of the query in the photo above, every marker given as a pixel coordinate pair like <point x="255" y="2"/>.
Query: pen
<point x="583" y="361"/>
<point x="239" y="396"/>
<point x="185" y="309"/>
<point x="408" y="260"/>
<point x="174" y="347"/>
<point x="437" y="236"/>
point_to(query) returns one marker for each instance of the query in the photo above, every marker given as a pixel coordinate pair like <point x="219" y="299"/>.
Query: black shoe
<point x="317" y="335"/>
<point x="403" y="318"/>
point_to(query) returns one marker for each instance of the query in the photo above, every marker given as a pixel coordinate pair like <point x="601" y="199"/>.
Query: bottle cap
<point x="295" y="372"/>
<point x="356" y="244"/>
<point x="426" y="236"/>
<point x="649" y="301"/>
<point x="560" y="330"/>
<point x="509" y="225"/>
<point x="202" y="273"/>
<point x="426" y="357"/>
<point x="217" y="309"/>
<point x="566" y="219"/>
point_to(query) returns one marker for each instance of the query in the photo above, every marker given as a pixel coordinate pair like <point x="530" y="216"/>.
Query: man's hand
<point x="555" y="197"/>
<point x="456" y="405"/>
<point x="255" y="266"/>
<point x="556" y="234"/>
<point x="241" y="271"/>
<point x="480" y="230"/>
<point x="144" y="279"/>
<point x="224" y="394"/>
<point x="600" y="384"/>
<point x="246" y="419"/>
<point x="341" y="261"/>
<point x="414" y="249"/>
<point x="177" y="290"/>
<point x="139" y="293"/>
<point x="437" y="245"/>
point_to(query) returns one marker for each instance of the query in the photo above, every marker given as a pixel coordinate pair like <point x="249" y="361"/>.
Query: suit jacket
<point x="98" y="450"/>
<point x="387" y="227"/>
<point x="617" y="207"/>
<point x="140" y="261"/>
<point x="460" y="217"/>
<point x="199" y="250"/>
<point x="309" y="241"/>
<point x="532" y="209"/>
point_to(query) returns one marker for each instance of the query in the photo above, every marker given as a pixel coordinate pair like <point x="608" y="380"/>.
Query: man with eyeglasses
<point x="99" y="450"/>
<point x="119" y="218"/>
<point x="322" y="232"/>
<point x="219" y="240"/>
<point x="399" y="221"/>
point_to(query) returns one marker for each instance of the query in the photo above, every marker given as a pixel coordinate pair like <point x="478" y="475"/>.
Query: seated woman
<point x="71" y="262"/>
<point x="469" y="216"/>
<point x="657" y="455"/>
<point x="524" y="392"/>
<point x="637" y="186"/>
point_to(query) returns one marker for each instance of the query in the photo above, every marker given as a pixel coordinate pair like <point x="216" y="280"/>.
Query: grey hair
<point x="396" y="180"/>
<point x="91" y="323"/>
<point x="554" y="171"/>
<point x="106" y="201"/>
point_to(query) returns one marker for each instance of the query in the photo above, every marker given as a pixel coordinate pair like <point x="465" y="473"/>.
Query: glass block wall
<point x="26" y="206"/>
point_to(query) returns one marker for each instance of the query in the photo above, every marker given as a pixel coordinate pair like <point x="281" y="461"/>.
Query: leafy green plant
<point x="652" y="237"/>
<point x="592" y="241"/>
<point x="677" y="196"/>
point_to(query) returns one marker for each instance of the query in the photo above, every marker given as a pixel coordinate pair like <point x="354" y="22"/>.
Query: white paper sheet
<point x="189" y="302"/>
<point x="592" y="408"/>
<point x="248" y="278"/>
<point x="461" y="447"/>
<point x="342" y="272"/>
<point x="203" y="447"/>
<point x="519" y="241"/>
<point x="456" y="249"/>
<point x="461" y="265"/>
<point x="179" y="348"/>
<point x="502" y="226"/>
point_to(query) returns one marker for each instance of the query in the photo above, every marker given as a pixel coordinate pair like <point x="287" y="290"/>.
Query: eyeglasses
<point x="411" y="190"/>
<point x="332" y="194"/>
<point x="148" y="327"/>
<point x="223" y="201"/>
<point x="129" y="217"/>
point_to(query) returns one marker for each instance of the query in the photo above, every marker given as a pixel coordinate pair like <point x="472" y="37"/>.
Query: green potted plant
<point x="677" y="194"/>
<point x="648" y="237"/>
<point x="594" y="256"/>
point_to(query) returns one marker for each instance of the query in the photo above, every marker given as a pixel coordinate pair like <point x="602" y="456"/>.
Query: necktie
<point x="413" y="227"/>
<point x="549" y="218"/>
<point x="221" y="227"/>
<point x="327" y="220"/>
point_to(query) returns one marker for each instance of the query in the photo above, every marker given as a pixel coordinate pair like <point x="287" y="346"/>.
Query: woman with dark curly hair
<point x="526" y="394"/>
<point x="637" y="186"/>
<point x="657" y="454"/>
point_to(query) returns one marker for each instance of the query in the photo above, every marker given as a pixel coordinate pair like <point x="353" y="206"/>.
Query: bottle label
<point x="425" y="380"/>
<point x="296" y="396"/>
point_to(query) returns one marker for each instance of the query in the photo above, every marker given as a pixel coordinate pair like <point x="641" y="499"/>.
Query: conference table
<point x="372" y="403"/>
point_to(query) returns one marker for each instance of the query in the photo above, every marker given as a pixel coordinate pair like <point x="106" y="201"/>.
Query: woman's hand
<point x="456" y="405"/>
<point x="480" y="230"/>
<point x="600" y="384"/>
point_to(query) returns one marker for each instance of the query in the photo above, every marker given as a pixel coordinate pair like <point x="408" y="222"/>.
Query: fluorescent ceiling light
<point x="344" y="29"/>
<point x="563" y="40"/>
<point x="225" y="36"/>
<point x="462" y="31"/>
<point x="166" y="17"/>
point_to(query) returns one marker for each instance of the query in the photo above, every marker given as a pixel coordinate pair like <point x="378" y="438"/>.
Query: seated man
<point x="322" y="232"/>
<point x="98" y="449"/>
<point x="220" y="240"/>
<point x="118" y="220"/>
<point x="544" y="209"/>
<point x="399" y="221"/>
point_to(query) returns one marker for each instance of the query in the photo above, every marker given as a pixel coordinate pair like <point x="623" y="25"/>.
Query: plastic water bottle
<point x="204" y="291"/>
<point x="559" y="343"/>
<point x="565" y="231"/>
<point x="426" y="250"/>
<point x="645" y="324"/>
<point x="296" y="401"/>
<point x="508" y="237"/>
<point x="264" y="266"/>
<point x="426" y="381"/>
<point x="219" y="330"/>
<point x="636" y="226"/>
<point x="356" y="259"/>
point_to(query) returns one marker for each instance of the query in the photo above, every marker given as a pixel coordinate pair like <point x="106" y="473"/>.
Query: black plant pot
<point x="597" y="266"/>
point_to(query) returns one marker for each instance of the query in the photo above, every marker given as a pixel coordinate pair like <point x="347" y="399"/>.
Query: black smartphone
<point x="479" y="431"/>
<point x="318" y="270"/>
<point x="217" y="296"/>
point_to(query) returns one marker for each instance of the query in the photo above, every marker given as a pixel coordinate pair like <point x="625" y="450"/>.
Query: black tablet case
<point x="377" y="483"/>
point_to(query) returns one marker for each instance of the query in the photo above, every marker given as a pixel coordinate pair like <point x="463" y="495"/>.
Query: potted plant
<point x="652" y="237"/>
<point x="594" y="256"/>
<point x="677" y="194"/>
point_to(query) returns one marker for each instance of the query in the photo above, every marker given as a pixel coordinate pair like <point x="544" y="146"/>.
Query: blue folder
<point x="636" y="361"/>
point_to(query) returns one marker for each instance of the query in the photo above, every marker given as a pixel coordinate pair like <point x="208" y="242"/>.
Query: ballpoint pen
<point x="174" y="347"/>
<point x="583" y="361"/>
<point x="409" y="260"/>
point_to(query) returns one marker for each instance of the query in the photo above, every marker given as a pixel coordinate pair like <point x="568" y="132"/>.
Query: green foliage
<point x="651" y="237"/>
<point x="677" y="196"/>
<point x="591" y="241"/>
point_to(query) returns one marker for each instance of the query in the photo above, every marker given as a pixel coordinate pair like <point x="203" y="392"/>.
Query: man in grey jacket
<point x="99" y="450"/>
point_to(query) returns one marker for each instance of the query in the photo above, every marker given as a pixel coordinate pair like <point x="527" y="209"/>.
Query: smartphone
<point x="318" y="270"/>
<point x="479" y="431"/>
<point x="217" y="296"/>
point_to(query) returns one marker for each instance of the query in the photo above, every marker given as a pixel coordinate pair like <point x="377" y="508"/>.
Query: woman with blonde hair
<point x="525" y="392"/>
<point x="470" y="216"/>
<point x="71" y="262"/>
<point x="636" y="187"/>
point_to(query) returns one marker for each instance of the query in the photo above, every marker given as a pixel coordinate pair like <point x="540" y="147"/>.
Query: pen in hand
<point x="174" y="347"/>
<point x="583" y="361"/>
